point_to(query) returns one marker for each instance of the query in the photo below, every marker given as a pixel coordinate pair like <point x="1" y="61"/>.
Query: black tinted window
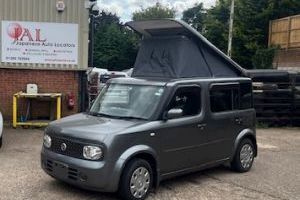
<point x="224" y="98"/>
<point x="220" y="100"/>
<point x="246" y="96"/>
<point x="231" y="97"/>
<point x="188" y="99"/>
<point x="235" y="99"/>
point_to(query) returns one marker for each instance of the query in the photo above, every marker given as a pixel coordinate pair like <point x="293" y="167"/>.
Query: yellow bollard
<point x="14" y="111"/>
<point x="58" y="108"/>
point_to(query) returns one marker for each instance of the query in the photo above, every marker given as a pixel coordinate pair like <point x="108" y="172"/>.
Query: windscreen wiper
<point x="92" y="113"/>
<point x="114" y="116"/>
<point x="99" y="114"/>
<point x="130" y="117"/>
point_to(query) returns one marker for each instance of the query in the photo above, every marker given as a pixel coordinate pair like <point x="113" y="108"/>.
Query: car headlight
<point x="47" y="141"/>
<point x="92" y="152"/>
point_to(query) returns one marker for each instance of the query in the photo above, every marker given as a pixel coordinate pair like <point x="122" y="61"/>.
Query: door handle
<point x="238" y="120"/>
<point x="201" y="126"/>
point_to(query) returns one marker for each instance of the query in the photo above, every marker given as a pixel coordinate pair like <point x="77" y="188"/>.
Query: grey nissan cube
<point x="187" y="107"/>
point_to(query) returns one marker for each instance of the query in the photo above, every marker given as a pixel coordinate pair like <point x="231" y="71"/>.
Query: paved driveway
<point x="275" y="174"/>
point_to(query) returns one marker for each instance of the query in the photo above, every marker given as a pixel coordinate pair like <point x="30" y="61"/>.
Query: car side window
<point x="188" y="99"/>
<point x="231" y="97"/>
<point x="246" y="97"/>
<point x="224" y="98"/>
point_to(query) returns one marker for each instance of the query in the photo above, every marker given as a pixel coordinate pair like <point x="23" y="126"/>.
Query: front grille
<point x="49" y="165"/>
<point x="73" y="149"/>
<point x="71" y="173"/>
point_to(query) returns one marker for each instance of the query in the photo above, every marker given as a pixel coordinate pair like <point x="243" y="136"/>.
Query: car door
<point x="181" y="138"/>
<point x="247" y="114"/>
<point x="224" y="120"/>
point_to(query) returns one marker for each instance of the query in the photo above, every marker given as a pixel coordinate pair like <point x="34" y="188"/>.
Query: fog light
<point x="92" y="152"/>
<point x="47" y="141"/>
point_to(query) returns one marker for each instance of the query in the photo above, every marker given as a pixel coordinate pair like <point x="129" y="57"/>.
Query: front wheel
<point x="136" y="180"/>
<point x="244" y="156"/>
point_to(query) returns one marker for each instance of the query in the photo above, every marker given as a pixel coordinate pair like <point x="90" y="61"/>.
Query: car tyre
<point x="136" y="180"/>
<point x="0" y="142"/>
<point x="244" y="156"/>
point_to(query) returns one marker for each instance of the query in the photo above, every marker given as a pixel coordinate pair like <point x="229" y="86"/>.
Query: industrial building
<point x="44" y="43"/>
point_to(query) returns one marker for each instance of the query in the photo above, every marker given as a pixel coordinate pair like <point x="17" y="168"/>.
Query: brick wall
<point x="15" y="80"/>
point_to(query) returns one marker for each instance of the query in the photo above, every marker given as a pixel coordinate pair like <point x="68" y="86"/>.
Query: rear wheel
<point x="136" y="180"/>
<point x="244" y="156"/>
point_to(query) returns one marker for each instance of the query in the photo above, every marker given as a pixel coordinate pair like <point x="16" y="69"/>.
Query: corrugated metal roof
<point x="45" y="11"/>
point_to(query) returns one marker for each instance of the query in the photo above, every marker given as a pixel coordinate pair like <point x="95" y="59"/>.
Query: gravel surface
<point x="275" y="174"/>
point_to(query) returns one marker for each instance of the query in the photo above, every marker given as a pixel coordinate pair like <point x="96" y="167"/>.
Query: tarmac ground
<point x="275" y="173"/>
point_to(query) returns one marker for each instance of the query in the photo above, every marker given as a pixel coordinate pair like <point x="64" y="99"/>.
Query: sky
<point x="125" y="8"/>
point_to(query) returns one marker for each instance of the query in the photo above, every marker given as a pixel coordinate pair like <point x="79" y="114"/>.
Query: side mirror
<point x="174" y="113"/>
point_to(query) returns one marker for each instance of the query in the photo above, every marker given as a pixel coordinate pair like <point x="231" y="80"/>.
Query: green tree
<point x="264" y="58"/>
<point x="249" y="30"/>
<point x="195" y="16"/>
<point x="216" y="24"/>
<point x="283" y="8"/>
<point x="157" y="11"/>
<point x="251" y="24"/>
<point x="106" y="18"/>
<point x="115" y="45"/>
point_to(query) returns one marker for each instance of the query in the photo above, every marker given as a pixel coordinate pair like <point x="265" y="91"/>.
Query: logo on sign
<point x="19" y="33"/>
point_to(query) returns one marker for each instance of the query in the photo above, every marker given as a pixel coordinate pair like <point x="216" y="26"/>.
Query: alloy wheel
<point x="246" y="156"/>
<point x="140" y="182"/>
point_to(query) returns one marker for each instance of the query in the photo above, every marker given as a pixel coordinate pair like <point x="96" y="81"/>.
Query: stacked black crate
<point x="296" y="103"/>
<point x="276" y="97"/>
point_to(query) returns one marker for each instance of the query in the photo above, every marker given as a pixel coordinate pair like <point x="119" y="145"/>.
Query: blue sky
<point x="125" y="8"/>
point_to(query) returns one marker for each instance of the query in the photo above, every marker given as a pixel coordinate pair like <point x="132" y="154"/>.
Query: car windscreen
<point x="127" y="101"/>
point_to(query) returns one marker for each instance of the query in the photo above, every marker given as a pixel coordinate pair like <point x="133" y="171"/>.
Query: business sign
<point x="34" y="42"/>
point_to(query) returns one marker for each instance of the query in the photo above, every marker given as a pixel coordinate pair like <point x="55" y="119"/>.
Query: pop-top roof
<point x="171" y="48"/>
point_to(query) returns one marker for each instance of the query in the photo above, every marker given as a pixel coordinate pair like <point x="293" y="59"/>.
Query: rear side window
<point x="246" y="97"/>
<point x="224" y="98"/>
<point x="231" y="97"/>
<point x="188" y="99"/>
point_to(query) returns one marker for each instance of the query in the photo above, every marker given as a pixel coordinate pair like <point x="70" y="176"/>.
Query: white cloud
<point x="125" y="8"/>
<point x="113" y="7"/>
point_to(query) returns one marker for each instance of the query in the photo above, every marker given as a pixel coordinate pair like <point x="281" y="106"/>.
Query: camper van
<point x="187" y="107"/>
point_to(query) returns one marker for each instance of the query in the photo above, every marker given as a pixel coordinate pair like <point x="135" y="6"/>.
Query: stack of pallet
<point x="276" y="97"/>
<point x="296" y="109"/>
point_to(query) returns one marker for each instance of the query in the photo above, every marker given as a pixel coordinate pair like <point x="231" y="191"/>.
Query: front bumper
<point x="91" y="175"/>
